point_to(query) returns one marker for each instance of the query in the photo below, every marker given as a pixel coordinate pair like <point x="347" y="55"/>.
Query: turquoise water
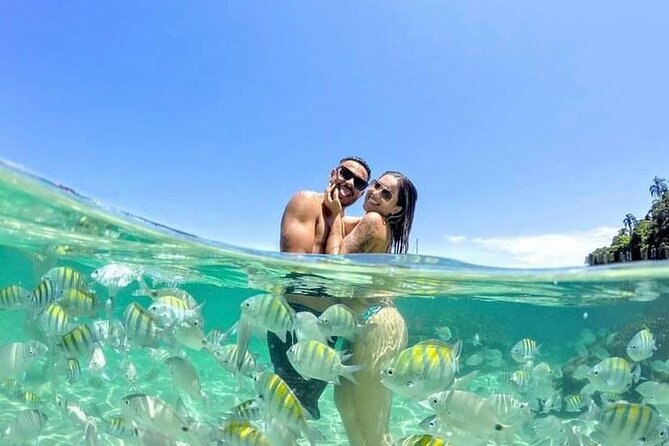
<point x="576" y="315"/>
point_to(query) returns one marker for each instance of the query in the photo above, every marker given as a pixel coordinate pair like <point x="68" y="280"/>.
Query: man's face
<point x="350" y="179"/>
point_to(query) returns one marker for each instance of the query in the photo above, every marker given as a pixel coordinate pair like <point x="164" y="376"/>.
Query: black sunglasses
<point x="358" y="182"/>
<point x="385" y="192"/>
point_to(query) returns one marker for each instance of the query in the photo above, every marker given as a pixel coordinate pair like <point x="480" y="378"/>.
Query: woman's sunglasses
<point x="385" y="192"/>
<point x="346" y="174"/>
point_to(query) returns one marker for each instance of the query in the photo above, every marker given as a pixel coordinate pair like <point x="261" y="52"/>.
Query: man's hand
<point x="331" y="199"/>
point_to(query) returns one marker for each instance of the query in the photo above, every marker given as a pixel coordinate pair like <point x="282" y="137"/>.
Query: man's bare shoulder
<point x="305" y="202"/>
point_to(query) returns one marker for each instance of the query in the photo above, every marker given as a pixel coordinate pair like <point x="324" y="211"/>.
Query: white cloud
<point x="527" y="251"/>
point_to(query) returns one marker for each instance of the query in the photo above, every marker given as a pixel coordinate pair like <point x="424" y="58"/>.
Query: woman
<point x="389" y="208"/>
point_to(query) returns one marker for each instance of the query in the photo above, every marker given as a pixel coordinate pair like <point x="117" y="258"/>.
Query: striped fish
<point x="575" y="403"/>
<point x="613" y="375"/>
<point x="339" y="320"/>
<point x="641" y="346"/>
<point x="280" y="403"/>
<point x="140" y="326"/>
<point x="168" y="309"/>
<point x="25" y="427"/>
<point x="17" y="357"/>
<point x="79" y="341"/>
<point x="419" y="371"/>
<point x="153" y="414"/>
<point x="120" y="428"/>
<point x="313" y="359"/>
<point x="523" y="380"/>
<point x="64" y="277"/>
<point x="524" y="350"/>
<point x="421" y="440"/>
<point x="79" y="302"/>
<point x="26" y="397"/>
<point x="226" y="356"/>
<point x="43" y="294"/>
<point x="250" y="410"/>
<point x="14" y="297"/>
<point x="73" y="370"/>
<point x="626" y="424"/>
<point x="242" y="433"/>
<point x="269" y="312"/>
<point x="54" y="320"/>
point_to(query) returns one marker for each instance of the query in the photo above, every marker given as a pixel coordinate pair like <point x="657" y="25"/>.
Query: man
<point x="305" y="227"/>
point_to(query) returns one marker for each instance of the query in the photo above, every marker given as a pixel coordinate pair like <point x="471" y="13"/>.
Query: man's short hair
<point x="360" y="161"/>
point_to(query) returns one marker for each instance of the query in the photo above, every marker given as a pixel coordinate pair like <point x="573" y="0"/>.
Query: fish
<point x="523" y="380"/>
<point x="431" y="424"/>
<point x="120" y="428"/>
<point x="226" y="356"/>
<point x="153" y="414"/>
<point x="97" y="361"/>
<point x="250" y="410"/>
<point x="306" y="327"/>
<point x="184" y="295"/>
<point x="653" y="392"/>
<point x="54" y="320"/>
<point x="623" y="424"/>
<point x="423" y="369"/>
<point x="184" y="377"/>
<point x="115" y="275"/>
<point x="26" y="397"/>
<point x="191" y="336"/>
<point x="25" y="427"/>
<point x="509" y="409"/>
<point x="279" y="402"/>
<point x="474" y="360"/>
<point x="17" y="357"/>
<point x="269" y="312"/>
<point x="575" y="403"/>
<point x="44" y="293"/>
<point x="72" y="410"/>
<point x="524" y="350"/>
<point x="340" y="321"/>
<point x="468" y="412"/>
<point x="73" y="372"/>
<point x="641" y="346"/>
<point x="168" y="310"/>
<point x="79" y="303"/>
<point x="421" y="440"/>
<point x="242" y="433"/>
<point x="129" y="371"/>
<point x="79" y="341"/>
<point x="313" y="359"/>
<point x="65" y="277"/>
<point x="140" y="326"/>
<point x="444" y="333"/>
<point x="614" y="375"/>
<point x="14" y="297"/>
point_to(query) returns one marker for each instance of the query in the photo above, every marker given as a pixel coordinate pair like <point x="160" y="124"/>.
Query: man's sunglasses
<point x="346" y="174"/>
<point x="385" y="192"/>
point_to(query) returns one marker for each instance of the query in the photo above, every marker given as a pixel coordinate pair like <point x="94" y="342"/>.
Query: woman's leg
<point x="365" y="408"/>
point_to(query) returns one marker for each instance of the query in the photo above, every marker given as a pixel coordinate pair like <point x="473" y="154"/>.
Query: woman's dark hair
<point x="400" y="223"/>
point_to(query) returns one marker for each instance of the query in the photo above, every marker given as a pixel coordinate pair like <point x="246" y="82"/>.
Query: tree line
<point x="645" y="239"/>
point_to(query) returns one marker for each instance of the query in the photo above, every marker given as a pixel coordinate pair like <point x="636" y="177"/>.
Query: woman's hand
<point x="331" y="200"/>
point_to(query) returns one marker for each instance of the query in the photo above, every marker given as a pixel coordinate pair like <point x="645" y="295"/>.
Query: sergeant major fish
<point x="313" y="359"/>
<point x="422" y="370"/>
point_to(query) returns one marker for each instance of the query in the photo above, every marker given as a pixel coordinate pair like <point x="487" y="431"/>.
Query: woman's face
<point x="382" y="196"/>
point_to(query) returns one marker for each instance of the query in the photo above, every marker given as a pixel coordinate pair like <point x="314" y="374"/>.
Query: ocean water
<point x="577" y="316"/>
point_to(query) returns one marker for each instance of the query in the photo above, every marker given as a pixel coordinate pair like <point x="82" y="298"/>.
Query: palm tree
<point x="658" y="188"/>
<point x="630" y="222"/>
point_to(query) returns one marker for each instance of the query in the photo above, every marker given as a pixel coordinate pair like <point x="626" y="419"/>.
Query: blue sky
<point x="530" y="128"/>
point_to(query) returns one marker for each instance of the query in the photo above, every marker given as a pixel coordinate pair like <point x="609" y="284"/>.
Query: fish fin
<point x="313" y="435"/>
<point x="348" y="371"/>
<point x="462" y="382"/>
<point x="243" y="338"/>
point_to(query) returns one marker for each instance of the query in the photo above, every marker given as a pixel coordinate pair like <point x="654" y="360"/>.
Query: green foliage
<point x="646" y="239"/>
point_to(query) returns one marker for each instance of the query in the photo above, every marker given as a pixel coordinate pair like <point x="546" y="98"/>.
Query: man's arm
<point x="298" y="224"/>
<point x="367" y="236"/>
